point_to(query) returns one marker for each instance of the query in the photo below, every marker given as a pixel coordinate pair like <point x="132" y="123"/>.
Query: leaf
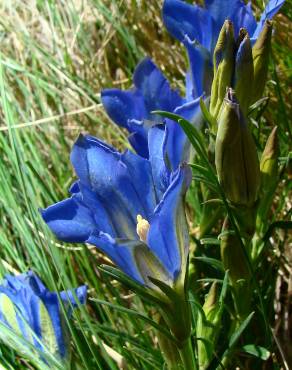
<point x="257" y="351"/>
<point x="237" y="334"/>
<point x="224" y="289"/>
<point x="137" y="314"/>
<point x="212" y="241"/>
<point x="207" y="116"/>
<point x="212" y="262"/>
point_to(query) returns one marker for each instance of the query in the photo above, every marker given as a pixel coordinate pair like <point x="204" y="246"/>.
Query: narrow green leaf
<point x="257" y="351"/>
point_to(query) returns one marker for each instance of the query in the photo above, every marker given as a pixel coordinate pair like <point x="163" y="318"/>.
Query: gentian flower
<point x="117" y="205"/>
<point x="132" y="109"/>
<point x="198" y="29"/>
<point x="33" y="312"/>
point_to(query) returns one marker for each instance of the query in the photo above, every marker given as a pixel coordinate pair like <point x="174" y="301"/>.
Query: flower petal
<point x="122" y="106"/>
<point x="183" y="19"/>
<point x="69" y="220"/>
<point x="119" y="251"/>
<point x="243" y="17"/>
<point x="168" y="235"/>
<point x="201" y="67"/>
<point x="158" y="139"/>
<point x="178" y="147"/>
<point x="110" y="176"/>
<point x="270" y="11"/>
<point x="155" y="89"/>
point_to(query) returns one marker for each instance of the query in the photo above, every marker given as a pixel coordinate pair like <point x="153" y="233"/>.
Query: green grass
<point x="55" y="58"/>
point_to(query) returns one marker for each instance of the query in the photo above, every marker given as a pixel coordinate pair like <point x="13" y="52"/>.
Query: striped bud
<point x="244" y="72"/>
<point x="223" y="60"/>
<point x="260" y="54"/>
<point x="236" y="157"/>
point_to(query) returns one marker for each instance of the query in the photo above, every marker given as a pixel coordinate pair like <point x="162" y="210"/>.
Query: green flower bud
<point x="208" y="327"/>
<point x="235" y="261"/>
<point x="236" y="157"/>
<point x="269" y="162"/>
<point x="223" y="66"/>
<point x="260" y="53"/>
<point x="244" y="72"/>
<point x="269" y="177"/>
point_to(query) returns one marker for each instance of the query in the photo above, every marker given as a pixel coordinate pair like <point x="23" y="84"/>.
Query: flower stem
<point x="187" y="356"/>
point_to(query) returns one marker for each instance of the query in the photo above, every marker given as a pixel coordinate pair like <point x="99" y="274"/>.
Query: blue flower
<point x="118" y="206"/>
<point x="33" y="312"/>
<point x="198" y="29"/>
<point x="132" y="109"/>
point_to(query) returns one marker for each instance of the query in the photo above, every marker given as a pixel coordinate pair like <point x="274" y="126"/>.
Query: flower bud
<point x="208" y="327"/>
<point x="223" y="59"/>
<point x="260" y="53"/>
<point x="236" y="157"/>
<point x="244" y="73"/>
<point x="269" y="177"/>
<point x="269" y="161"/>
<point x="235" y="261"/>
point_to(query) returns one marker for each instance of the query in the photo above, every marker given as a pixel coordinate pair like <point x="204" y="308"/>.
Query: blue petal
<point x="160" y="164"/>
<point x="155" y="89"/>
<point x="122" y="106"/>
<point x="119" y="251"/>
<point x="140" y="172"/>
<point x="168" y="234"/>
<point x="69" y="220"/>
<point x="178" y="147"/>
<point x="109" y="175"/>
<point x="139" y="144"/>
<point x="201" y="68"/>
<point x="80" y="293"/>
<point x="222" y="10"/>
<point x="183" y="19"/>
<point x="243" y="18"/>
<point x="190" y="92"/>
<point x="270" y="11"/>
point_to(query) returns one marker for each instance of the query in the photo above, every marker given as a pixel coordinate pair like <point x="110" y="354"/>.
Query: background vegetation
<point x="55" y="57"/>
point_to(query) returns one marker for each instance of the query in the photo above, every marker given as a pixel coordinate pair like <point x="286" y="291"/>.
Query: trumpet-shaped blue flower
<point x="198" y="29"/>
<point x="118" y="206"/>
<point x="132" y="109"/>
<point x="33" y="312"/>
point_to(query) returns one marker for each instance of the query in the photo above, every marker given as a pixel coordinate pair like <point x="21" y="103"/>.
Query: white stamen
<point x="142" y="228"/>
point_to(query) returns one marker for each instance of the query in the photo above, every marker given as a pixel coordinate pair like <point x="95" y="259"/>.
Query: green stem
<point x="187" y="356"/>
<point x="168" y="348"/>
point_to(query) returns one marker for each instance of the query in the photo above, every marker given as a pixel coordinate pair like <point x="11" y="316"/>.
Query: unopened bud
<point x="223" y="66"/>
<point x="261" y="53"/>
<point x="244" y="73"/>
<point x="236" y="157"/>
<point x="269" y="161"/>
<point x="269" y="177"/>
<point x="208" y="327"/>
<point x="235" y="261"/>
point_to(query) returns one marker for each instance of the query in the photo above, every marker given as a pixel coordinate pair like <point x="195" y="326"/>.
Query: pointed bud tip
<point x="272" y="145"/>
